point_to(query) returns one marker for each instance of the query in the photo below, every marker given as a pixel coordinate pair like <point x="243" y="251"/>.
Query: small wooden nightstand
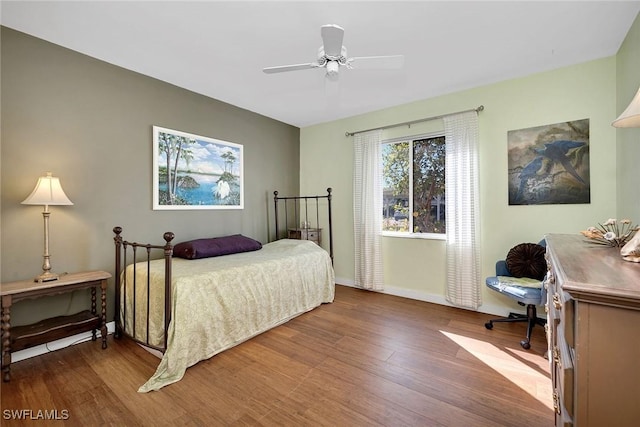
<point x="313" y="234"/>
<point x="21" y="337"/>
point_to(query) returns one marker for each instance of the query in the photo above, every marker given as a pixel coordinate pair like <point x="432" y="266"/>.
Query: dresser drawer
<point x="564" y="309"/>
<point x="562" y="416"/>
<point x="560" y="308"/>
<point x="563" y="420"/>
<point x="564" y="374"/>
<point x="567" y="319"/>
<point x="310" y="235"/>
<point x="552" y="309"/>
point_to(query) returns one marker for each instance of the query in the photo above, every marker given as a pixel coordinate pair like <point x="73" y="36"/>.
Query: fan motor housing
<point x="323" y="58"/>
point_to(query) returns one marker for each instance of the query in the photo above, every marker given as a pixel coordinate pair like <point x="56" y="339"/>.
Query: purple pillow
<point x="215" y="246"/>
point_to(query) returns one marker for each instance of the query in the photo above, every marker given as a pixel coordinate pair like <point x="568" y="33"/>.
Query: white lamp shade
<point x="630" y="118"/>
<point x="48" y="191"/>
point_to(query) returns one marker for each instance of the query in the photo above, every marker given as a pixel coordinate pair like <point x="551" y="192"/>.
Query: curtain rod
<point x="477" y="110"/>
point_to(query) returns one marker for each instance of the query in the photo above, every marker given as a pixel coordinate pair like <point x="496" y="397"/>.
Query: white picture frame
<point x="196" y="172"/>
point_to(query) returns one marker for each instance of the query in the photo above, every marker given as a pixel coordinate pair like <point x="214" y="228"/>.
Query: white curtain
<point x="462" y="210"/>
<point x="367" y="210"/>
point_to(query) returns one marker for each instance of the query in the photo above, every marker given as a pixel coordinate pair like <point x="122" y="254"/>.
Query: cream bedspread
<point x="220" y="302"/>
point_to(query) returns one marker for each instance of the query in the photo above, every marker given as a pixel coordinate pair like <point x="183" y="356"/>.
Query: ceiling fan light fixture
<point x="332" y="70"/>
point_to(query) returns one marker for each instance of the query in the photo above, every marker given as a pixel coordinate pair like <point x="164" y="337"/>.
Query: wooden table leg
<point x="93" y="311"/>
<point x="6" y="338"/>
<point x="103" y="328"/>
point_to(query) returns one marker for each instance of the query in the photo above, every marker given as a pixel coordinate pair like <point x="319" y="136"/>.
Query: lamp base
<point x="47" y="276"/>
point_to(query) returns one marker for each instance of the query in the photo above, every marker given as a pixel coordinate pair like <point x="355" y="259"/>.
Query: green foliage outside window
<point x="415" y="204"/>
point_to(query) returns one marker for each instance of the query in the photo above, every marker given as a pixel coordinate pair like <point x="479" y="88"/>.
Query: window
<point x="414" y="185"/>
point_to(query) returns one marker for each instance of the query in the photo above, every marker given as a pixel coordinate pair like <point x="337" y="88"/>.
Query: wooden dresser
<point x="593" y="329"/>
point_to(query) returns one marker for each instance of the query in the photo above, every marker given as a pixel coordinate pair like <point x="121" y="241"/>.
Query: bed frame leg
<point x="118" y="242"/>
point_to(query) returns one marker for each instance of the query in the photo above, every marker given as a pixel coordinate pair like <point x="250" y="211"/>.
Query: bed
<point x="189" y="310"/>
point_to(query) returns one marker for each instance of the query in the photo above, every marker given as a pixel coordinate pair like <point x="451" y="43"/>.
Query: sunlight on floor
<point x="524" y="369"/>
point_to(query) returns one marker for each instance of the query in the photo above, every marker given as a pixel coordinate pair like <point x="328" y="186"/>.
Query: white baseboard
<point x="57" y="344"/>
<point x="494" y="310"/>
<point x="390" y="290"/>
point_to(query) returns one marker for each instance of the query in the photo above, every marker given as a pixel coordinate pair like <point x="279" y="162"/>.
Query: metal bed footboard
<point x="124" y="250"/>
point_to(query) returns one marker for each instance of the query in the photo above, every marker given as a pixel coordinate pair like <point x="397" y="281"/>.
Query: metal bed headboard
<point x="303" y="210"/>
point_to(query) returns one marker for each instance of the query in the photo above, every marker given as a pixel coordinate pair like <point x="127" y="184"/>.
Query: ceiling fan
<point x="332" y="55"/>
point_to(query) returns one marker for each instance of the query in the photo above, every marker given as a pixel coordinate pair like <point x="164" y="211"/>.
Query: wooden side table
<point x="21" y="337"/>
<point x="312" y="234"/>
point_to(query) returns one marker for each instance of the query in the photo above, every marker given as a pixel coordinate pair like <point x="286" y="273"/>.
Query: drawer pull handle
<point x="550" y="278"/>
<point x="556" y="301"/>
<point x="556" y="357"/>
<point x="556" y="402"/>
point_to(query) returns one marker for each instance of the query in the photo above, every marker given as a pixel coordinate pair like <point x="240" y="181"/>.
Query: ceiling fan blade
<point x="380" y="62"/>
<point x="332" y="36"/>
<point x="283" y="68"/>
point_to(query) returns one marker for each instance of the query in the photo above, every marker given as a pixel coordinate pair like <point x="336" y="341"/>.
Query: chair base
<point x="531" y="318"/>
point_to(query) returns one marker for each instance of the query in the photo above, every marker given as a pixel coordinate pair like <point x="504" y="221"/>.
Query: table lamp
<point x="630" y="118"/>
<point x="48" y="191"/>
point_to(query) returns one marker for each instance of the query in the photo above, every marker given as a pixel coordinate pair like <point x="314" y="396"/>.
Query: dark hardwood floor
<point x="367" y="359"/>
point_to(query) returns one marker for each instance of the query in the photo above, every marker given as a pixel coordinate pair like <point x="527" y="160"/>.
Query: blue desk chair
<point x="520" y="277"/>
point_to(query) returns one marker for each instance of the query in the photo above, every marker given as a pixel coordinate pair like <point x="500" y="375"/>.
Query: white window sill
<point x="404" y="235"/>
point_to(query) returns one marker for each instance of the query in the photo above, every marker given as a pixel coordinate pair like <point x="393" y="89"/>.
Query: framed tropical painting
<point x="195" y="172"/>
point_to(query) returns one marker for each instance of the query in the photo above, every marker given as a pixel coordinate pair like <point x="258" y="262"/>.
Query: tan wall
<point x="90" y="124"/>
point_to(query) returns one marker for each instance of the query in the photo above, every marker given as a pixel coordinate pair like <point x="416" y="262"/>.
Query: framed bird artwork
<point x="549" y="164"/>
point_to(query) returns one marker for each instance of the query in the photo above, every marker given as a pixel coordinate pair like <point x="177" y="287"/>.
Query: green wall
<point x="416" y="267"/>
<point x="628" y="140"/>
<point x="90" y="124"/>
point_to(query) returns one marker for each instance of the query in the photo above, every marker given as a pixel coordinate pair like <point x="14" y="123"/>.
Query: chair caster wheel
<point x="488" y="325"/>
<point x="525" y="344"/>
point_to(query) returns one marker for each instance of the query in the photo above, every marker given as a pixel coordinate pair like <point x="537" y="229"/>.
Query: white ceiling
<point x="219" y="48"/>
